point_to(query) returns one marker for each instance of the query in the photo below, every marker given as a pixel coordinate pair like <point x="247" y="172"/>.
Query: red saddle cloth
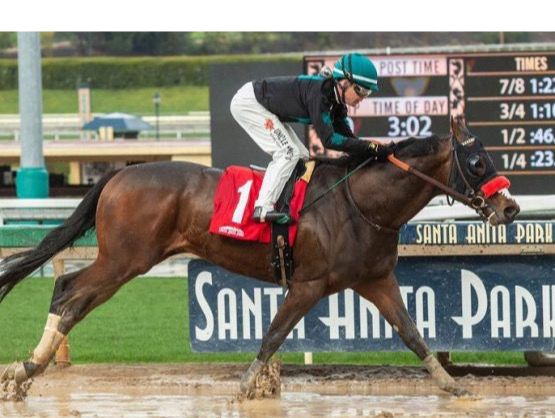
<point x="234" y="205"/>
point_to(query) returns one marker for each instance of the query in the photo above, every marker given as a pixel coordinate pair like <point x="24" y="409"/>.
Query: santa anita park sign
<point x="468" y="286"/>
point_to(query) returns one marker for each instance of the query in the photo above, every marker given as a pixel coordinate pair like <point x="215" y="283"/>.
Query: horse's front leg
<point x="385" y="294"/>
<point x="302" y="296"/>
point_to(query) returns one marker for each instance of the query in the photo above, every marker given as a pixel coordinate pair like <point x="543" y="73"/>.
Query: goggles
<point x="361" y="91"/>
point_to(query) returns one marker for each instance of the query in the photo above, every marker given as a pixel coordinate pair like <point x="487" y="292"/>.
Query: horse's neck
<point x="391" y="197"/>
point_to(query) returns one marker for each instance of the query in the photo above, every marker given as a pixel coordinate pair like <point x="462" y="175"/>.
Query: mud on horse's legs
<point x="75" y="295"/>
<point x="49" y="343"/>
<point x="385" y="294"/>
<point x="18" y="373"/>
<point x="302" y="296"/>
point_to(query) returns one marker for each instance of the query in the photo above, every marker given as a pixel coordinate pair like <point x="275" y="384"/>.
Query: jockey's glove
<point x="381" y="151"/>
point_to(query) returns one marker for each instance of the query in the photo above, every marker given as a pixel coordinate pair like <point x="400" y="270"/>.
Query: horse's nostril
<point x="511" y="211"/>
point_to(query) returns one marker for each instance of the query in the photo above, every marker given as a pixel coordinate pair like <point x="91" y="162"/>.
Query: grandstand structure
<point x="182" y="138"/>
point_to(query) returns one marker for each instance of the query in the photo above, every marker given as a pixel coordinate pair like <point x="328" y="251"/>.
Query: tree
<point x="8" y="40"/>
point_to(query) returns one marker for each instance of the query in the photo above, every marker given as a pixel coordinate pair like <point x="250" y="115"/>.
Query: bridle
<point x="474" y="199"/>
<point x="471" y="198"/>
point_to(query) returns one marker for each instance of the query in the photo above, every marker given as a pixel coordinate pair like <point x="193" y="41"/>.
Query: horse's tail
<point x="16" y="267"/>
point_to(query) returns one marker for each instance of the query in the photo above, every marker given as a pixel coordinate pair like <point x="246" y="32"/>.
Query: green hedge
<point x="119" y="73"/>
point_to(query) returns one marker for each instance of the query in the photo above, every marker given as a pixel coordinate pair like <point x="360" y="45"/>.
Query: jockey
<point x="264" y="108"/>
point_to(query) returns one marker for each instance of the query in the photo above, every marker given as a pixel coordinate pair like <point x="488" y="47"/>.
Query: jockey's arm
<point x="341" y="138"/>
<point x="337" y="135"/>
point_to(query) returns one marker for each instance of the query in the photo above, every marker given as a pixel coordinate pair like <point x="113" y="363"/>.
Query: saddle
<point x="234" y="200"/>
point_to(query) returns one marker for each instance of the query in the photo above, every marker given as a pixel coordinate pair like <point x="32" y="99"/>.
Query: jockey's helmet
<point x="358" y="69"/>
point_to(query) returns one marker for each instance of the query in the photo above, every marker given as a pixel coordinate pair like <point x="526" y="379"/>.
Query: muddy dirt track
<point x="207" y="390"/>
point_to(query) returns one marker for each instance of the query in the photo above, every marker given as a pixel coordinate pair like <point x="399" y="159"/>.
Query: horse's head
<point x="475" y="176"/>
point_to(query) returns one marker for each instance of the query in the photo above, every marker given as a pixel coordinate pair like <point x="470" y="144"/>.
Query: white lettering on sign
<point x="500" y="312"/>
<point x="513" y="312"/>
<point x="473" y="293"/>
<point x="411" y="67"/>
<point x="252" y="308"/>
<point x="525" y="303"/>
<point x="534" y="233"/>
<point x="204" y="334"/>
<point x="403" y="106"/>
<point x="548" y="304"/>
<point x="483" y="233"/>
<point x="425" y="312"/>
<point x="335" y="321"/>
<point x="471" y="283"/>
<point x="425" y="315"/>
<point x="365" y="307"/>
<point x="436" y="234"/>
<point x="227" y="303"/>
<point x="226" y="312"/>
<point x="486" y="234"/>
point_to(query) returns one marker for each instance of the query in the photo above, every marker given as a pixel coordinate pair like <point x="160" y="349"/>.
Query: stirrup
<point x="271" y="216"/>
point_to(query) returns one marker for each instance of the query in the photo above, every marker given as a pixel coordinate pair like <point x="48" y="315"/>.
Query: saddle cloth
<point x="234" y="205"/>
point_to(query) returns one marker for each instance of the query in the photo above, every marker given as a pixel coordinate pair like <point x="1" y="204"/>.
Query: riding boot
<point x="262" y="215"/>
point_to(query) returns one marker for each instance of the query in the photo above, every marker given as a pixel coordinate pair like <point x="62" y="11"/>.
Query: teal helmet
<point x="358" y="69"/>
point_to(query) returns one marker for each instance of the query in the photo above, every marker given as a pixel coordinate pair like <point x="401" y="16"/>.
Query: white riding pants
<point x="274" y="137"/>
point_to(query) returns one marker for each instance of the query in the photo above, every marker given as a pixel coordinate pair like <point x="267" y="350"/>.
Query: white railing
<point x="36" y="209"/>
<point x="530" y="206"/>
<point x="68" y="126"/>
<point x="437" y="210"/>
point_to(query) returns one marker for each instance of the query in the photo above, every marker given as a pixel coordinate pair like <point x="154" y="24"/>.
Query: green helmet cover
<point x="358" y="69"/>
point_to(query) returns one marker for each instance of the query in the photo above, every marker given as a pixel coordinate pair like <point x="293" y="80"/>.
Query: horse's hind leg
<point x="385" y="294"/>
<point x="302" y="296"/>
<point x="14" y="378"/>
<point x="75" y="295"/>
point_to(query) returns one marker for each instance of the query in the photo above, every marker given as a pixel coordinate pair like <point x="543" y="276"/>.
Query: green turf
<point x="175" y="100"/>
<point x="146" y="321"/>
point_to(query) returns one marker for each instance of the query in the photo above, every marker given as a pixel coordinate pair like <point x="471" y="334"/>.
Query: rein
<point x="446" y="189"/>
<point x="351" y="200"/>
<point x="337" y="183"/>
<point x="475" y="201"/>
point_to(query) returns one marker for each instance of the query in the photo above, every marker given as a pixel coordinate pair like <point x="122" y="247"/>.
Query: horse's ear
<point x="458" y="127"/>
<point x="455" y="128"/>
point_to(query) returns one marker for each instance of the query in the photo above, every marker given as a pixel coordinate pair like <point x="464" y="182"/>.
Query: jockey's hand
<point x="381" y="151"/>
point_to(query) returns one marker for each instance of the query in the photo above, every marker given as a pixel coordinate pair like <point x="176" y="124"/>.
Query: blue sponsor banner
<point x="477" y="233"/>
<point x="458" y="303"/>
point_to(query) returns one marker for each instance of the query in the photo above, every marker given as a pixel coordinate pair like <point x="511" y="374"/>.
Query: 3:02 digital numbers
<point x="409" y="126"/>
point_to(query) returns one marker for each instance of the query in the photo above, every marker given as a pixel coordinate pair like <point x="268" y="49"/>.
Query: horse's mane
<point x="407" y="148"/>
<point x="416" y="147"/>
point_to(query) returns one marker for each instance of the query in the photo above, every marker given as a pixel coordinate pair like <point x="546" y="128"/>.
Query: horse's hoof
<point x="248" y="380"/>
<point x="14" y="383"/>
<point x="456" y="390"/>
<point x="20" y="374"/>
<point x="459" y="392"/>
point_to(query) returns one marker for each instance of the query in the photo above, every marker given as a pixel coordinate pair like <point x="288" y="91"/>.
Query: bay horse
<point x="148" y="212"/>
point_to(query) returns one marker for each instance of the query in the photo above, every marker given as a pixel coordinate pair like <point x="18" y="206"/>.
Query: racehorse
<point x="348" y="239"/>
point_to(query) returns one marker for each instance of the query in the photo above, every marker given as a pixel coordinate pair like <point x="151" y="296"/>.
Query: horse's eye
<point x="476" y="165"/>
